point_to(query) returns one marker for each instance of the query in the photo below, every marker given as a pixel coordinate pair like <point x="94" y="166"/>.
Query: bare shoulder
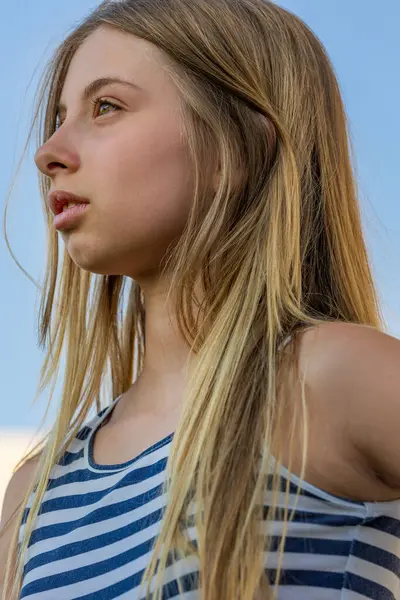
<point x="17" y="488"/>
<point x="15" y="493"/>
<point x="355" y="369"/>
<point x="330" y="345"/>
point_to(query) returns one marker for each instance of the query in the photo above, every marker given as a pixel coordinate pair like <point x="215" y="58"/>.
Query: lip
<point x="58" y="199"/>
<point x="69" y="218"/>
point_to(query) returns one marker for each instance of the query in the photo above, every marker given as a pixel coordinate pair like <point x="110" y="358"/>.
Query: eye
<point x="57" y="122"/>
<point x="100" y="106"/>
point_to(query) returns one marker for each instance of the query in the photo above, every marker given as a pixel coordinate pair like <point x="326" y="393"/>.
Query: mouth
<point x="59" y="201"/>
<point x="70" y="218"/>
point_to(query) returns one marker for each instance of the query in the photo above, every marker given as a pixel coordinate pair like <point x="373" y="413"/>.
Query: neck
<point x="161" y="382"/>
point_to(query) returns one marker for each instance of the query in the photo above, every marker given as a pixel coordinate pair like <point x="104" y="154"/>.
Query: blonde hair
<point x="277" y="248"/>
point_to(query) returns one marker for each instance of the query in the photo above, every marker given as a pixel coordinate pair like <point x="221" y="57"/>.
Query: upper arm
<point x="357" y="370"/>
<point x="14" y="495"/>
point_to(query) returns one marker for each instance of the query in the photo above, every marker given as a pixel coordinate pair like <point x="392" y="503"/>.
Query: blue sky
<point x="362" y="39"/>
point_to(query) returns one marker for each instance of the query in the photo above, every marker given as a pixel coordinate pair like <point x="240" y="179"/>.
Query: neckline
<point x="92" y="465"/>
<point x="315" y="491"/>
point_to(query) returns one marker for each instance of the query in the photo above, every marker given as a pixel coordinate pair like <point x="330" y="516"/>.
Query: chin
<point x="88" y="257"/>
<point x="94" y="261"/>
<point x="103" y="257"/>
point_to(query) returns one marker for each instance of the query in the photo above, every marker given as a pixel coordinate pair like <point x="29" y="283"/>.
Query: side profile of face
<point x="122" y="148"/>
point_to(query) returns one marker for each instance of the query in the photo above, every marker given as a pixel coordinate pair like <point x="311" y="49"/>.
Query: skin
<point x="132" y="164"/>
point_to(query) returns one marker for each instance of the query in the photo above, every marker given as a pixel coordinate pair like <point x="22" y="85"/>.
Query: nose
<point x="55" y="156"/>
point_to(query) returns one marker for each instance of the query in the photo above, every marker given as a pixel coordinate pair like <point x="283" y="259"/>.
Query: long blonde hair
<point x="278" y="246"/>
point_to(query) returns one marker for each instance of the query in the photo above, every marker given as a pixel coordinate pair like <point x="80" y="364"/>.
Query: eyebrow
<point x="96" y="86"/>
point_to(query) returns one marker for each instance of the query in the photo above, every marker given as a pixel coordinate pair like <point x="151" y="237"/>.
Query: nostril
<point x="55" y="165"/>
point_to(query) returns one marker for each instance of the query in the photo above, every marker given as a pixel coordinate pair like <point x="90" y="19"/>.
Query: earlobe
<point x="236" y="178"/>
<point x="216" y="179"/>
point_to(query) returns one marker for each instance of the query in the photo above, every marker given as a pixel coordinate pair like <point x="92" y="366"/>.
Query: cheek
<point x="141" y="187"/>
<point x="146" y="185"/>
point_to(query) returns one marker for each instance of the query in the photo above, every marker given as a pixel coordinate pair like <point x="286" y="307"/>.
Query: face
<point x="121" y="147"/>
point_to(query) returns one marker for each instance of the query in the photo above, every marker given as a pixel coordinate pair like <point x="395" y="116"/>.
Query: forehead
<point x="111" y="53"/>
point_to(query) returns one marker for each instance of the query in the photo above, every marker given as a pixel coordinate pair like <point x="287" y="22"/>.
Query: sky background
<point x="362" y="39"/>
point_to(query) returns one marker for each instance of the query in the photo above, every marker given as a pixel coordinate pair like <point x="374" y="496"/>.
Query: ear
<point x="237" y="177"/>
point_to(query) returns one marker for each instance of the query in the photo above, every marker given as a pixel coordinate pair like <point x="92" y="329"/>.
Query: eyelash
<point x="99" y="101"/>
<point x="96" y="102"/>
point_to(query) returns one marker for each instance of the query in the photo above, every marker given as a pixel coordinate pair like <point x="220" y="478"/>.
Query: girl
<point x="195" y="162"/>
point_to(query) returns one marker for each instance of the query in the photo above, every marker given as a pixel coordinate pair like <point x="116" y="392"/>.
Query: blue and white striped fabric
<point x="94" y="534"/>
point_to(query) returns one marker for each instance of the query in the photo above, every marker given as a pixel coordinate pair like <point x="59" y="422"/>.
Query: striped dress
<point x="93" y="537"/>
